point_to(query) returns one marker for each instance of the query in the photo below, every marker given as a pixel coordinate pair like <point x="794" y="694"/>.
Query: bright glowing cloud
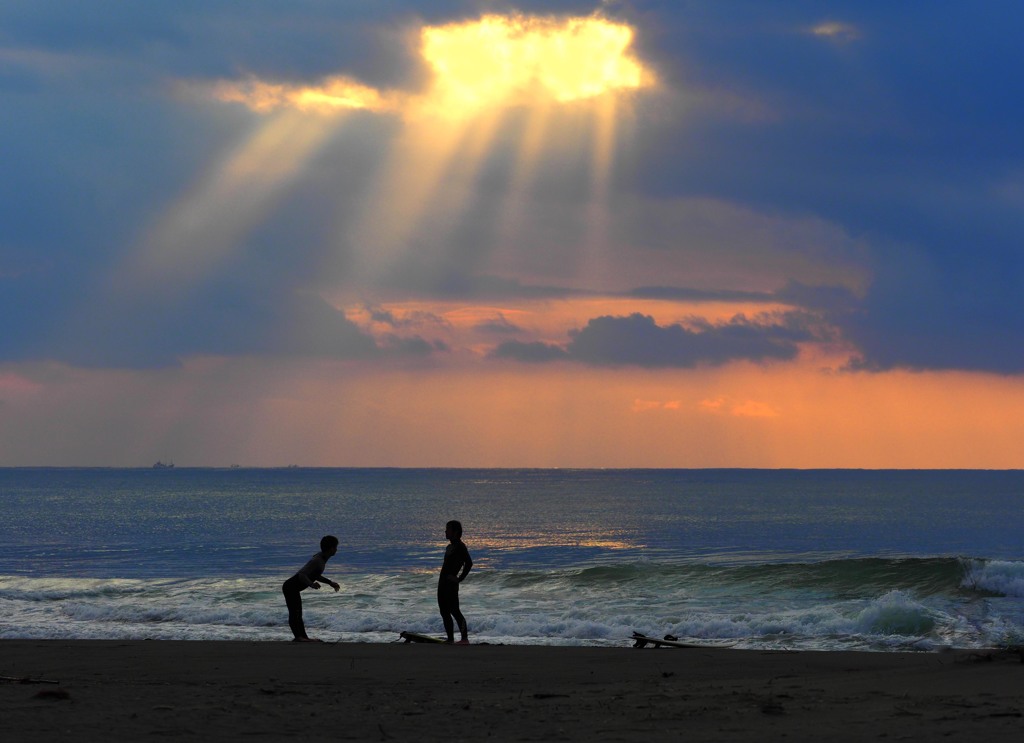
<point x="506" y="60"/>
<point x="480" y="69"/>
<point x="497" y="61"/>
<point x="333" y="95"/>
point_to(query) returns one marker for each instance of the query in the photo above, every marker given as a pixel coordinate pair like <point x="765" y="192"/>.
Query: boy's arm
<point x="328" y="581"/>
<point x="466" y="567"/>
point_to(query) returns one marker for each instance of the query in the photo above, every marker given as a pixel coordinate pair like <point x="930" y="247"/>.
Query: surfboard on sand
<point x="668" y="641"/>
<point x="417" y="637"/>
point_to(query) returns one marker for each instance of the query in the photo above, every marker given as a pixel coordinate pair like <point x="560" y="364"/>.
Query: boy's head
<point x="329" y="545"/>
<point x="453" y="529"/>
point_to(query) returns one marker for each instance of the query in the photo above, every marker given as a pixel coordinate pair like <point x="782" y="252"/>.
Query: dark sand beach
<point x="111" y="690"/>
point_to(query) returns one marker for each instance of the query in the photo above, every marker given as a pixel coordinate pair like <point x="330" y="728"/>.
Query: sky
<point x="465" y="233"/>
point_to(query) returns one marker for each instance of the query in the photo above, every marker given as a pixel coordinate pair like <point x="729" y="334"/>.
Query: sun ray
<point x="606" y="117"/>
<point x="212" y="218"/>
<point x="596" y="240"/>
<point x="564" y="76"/>
<point x="530" y="148"/>
<point x="395" y="206"/>
<point x="455" y="192"/>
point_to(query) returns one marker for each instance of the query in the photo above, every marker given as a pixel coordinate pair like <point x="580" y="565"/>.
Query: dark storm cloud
<point x="905" y="134"/>
<point x="530" y="352"/>
<point x="637" y="340"/>
<point x="414" y="346"/>
<point x="222" y="38"/>
<point x="411" y="319"/>
<point x="833" y="301"/>
<point x="949" y="315"/>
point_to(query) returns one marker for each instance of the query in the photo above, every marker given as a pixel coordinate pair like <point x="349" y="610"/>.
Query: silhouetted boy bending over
<point x="310" y="575"/>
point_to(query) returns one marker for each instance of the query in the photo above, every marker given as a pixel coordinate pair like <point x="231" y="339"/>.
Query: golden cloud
<point x="496" y="61"/>
<point x="333" y="95"/>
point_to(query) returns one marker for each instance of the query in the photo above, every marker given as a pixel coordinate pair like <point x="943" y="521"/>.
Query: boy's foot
<point x="463" y="641"/>
<point x="305" y="639"/>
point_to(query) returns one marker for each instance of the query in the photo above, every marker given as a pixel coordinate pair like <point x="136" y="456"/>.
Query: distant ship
<point x="162" y="466"/>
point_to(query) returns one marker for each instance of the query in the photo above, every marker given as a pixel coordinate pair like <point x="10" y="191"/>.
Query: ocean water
<point x="837" y="559"/>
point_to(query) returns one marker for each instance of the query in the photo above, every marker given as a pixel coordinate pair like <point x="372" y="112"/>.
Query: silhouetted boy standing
<point x="456" y="566"/>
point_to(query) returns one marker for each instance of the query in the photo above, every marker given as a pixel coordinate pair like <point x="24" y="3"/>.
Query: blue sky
<point x="804" y="180"/>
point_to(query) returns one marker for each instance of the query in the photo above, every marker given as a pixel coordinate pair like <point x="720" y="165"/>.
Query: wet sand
<point x="111" y="690"/>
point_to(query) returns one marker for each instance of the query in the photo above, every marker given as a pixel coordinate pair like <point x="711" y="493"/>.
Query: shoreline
<point x="233" y="690"/>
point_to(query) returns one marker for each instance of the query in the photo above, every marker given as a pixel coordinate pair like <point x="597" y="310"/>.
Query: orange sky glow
<point x="792" y="415"/>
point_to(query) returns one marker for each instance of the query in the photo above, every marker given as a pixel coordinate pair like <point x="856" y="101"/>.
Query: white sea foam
<point x="997" y="576"/>
<point x="895" y="613"/>
<point x="375" y="608"/>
